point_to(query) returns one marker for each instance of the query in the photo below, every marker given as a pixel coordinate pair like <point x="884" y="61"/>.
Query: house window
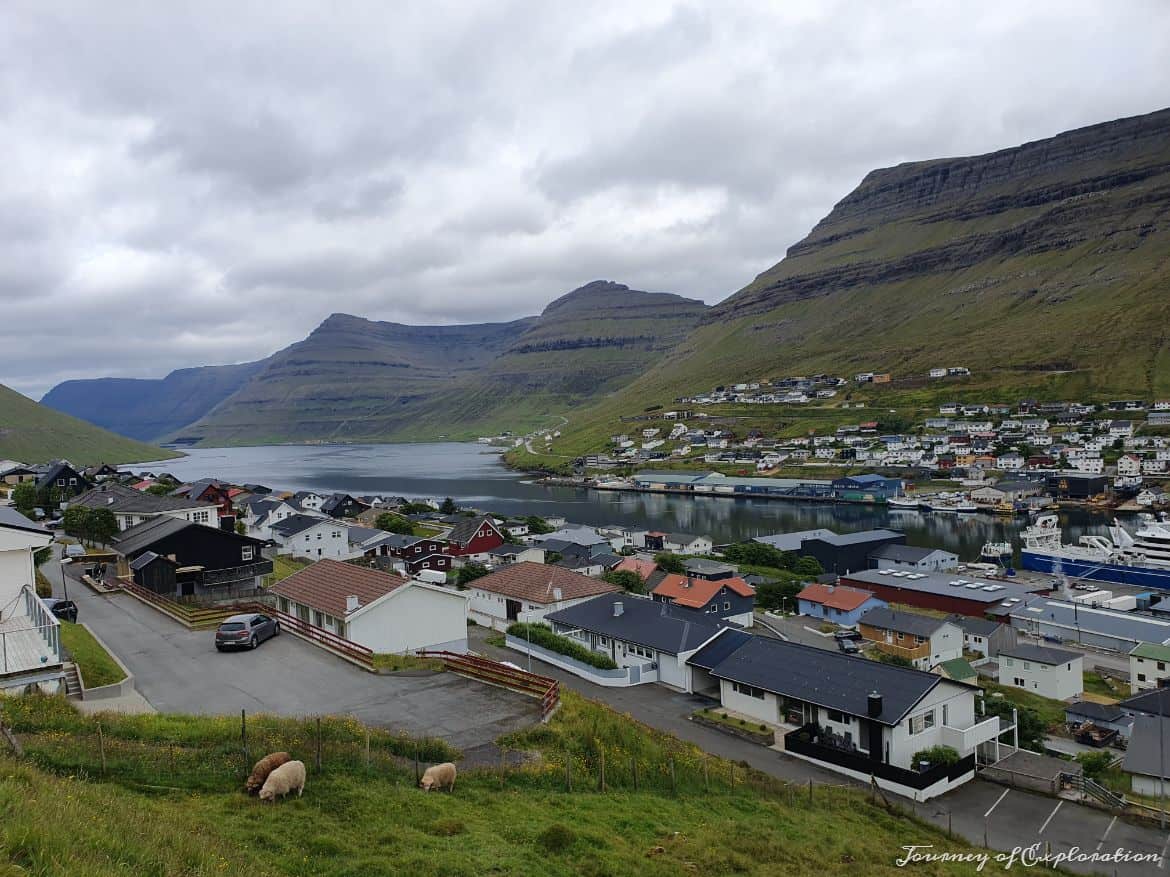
<point x="603" y="641"/>
<point x="246" y="552"/>
<point x="918" y="724"/>
<point x="1161" y="665"/>
<point x="1018" y="681"/>
<point x="747" y="690"/>
<point x="1141" y="677"/>
<point x="837" y="717"/>
<point x="726" y="605"/>
<point x="317" y="618"/>
<point x="918" y="640"/>
<point x="639" y="651"/>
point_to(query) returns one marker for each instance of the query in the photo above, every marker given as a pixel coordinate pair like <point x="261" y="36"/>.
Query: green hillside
<point x="1042" y="268"/>
<point x="32" y="433"/>
<point x="167" y="800"/>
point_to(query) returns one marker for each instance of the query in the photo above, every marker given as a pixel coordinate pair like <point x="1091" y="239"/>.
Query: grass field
<point x="169" y="802"/>
<point x="284" y="566"/>
<point x="96" y="666"/>
<point x="1051" y="712"/>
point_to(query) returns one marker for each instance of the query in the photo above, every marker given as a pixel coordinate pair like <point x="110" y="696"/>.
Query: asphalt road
<point x="1020" y="819"/>
<point x="180" y="671"/>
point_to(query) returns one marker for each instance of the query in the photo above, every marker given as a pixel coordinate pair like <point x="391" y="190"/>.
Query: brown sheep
<point x="263" y="768"/>
<point x="286" y="778"/>
<point x="438" y="776"/>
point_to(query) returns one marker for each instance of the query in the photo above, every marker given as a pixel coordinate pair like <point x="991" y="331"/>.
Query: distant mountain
<point x="1044" y="268"/>
<point x="148" y="409"/>
<point x="33" y="433"/>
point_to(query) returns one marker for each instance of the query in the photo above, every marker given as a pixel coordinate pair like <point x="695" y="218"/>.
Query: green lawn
<point x="1051" y="711"/>
<point x="169" y="802"/>
<point x="284" y="566"/>
<point x="1097" y="684"/>
<point x="96" y="666"/>
<point x="405" y="662"/>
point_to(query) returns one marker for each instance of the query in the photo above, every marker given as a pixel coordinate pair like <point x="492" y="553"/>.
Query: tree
<point x="241" y="528"/>
<point x="755" y="554"/>
<point x="76" y="522"/>
<point x="159" y="489"/>
<point x="896" y="660"/>
<point x="670" y="563"/>
<point x="469" y="572"/>
<point x="24" y="497"/>
<point x="627" y="580"/>
<point x="777" y="595"/>
<point x="537" y="525"/>
<point x="393" y="523"/>
<point x="103" y="526"/>
<point x="416" y="508"/>
<point x="448" y="506"/>
<point x="1029" y="725"/>
<point x="808" y="566"/>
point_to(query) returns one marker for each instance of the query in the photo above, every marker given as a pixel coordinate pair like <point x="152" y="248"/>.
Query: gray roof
<point x="1040" y="654"/>
<point x="294" y="524"/>
<point x="1155" y="703"/>
<point x="904" y="553"/>
<point x="1110" y="622"/>
<point x="793" y="541"/>
<point x="827" y="678"/>
<point x="712" y="654"/>
<point x="1097" y="712"/>
<point x="14" y="520"/>
<point x="902" y="621"/>
<point x="1148" y="742"/>
<point x="126" y="500"/>
<point x="645" y="622"/>
<point x="975" y="626"/>
<point x="464" y="532"/>
<point x="936" y="583"/>
<point x="706" y="567"/>
<point x="146" y="558"/>
<point x="139" y="536"/>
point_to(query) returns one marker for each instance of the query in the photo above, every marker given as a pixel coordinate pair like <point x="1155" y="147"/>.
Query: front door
<point x="512" y="608"/>
<point x="188" y="588"/>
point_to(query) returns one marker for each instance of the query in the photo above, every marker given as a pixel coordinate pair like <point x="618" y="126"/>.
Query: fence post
<point x="706" y="775"/>
<point x="367" y="748"/>
<point x="102" y="748"/>
<point x="244" y="738"/>
<point x="634" y="770"/>
<point x="417" y="775"/>
<point x="568" y="772"/>
<point x="810" y="798"/>
<point x="503" y="768"/>
<point x="673" y="778"/>
<point x="601" y="752"/>
<point x="318" y="744"/>
<point x="732" y="768"/>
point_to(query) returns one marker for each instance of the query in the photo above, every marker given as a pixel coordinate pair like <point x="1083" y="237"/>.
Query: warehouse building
<point x="1077" y="623"/>
<point x="946" y="593"/>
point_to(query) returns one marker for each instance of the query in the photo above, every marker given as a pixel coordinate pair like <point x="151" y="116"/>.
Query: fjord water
<point x="473" y="475"/>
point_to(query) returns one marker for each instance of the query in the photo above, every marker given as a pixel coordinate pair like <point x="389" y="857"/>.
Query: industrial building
<point x="838" y="553"/>
<point x="946" y="593"/>
<point x="1074" y="622"/>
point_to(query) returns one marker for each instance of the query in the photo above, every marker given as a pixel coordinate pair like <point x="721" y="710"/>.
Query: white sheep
<point x="438" y="776"/>
<point x="289" y="776"/>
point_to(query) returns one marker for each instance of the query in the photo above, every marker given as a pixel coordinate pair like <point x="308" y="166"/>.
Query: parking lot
<point x="179" y="670"/>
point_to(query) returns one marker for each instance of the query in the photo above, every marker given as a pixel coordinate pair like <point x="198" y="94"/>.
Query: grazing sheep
<point x="289" y="776"/>
<point x="438" y="776"/>
<point x="263" y="768"/>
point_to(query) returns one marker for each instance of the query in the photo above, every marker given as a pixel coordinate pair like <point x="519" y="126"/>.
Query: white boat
<point x="966" y="507"/>
<point x="1141" y="558"/>
<point x="902" y="504"/>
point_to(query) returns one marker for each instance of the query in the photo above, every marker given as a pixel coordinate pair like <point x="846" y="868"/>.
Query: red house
<point x="474" y="536"/>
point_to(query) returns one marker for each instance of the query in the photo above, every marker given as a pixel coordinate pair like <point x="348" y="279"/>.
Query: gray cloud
<point x="205" y="182"/>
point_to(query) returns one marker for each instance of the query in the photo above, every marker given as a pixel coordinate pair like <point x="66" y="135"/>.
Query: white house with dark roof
<point x="861" y="718"/>
<point x="527" y="592"/>
<point x="1049" y="672"/>
<point x="132" y="507"/>
<point x="311" y="536"/>
<point x="1145" y="755"/>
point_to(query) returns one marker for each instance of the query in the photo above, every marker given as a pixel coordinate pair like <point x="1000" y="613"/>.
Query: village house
<point x="984" y="636"/>
<point x="730" y="599"/>
<point x="861" y="718"/>
<point x="310" y="536"/>
<point x="923" y="640"/>
<point x="474" y="538"/>
<point x="260" y="513"/>
<point x="61" y="480"/>
<point x="1148" y="663"/>
<point x="836" y="603"/>
<point x="177" y="558"/>
<point x="1049" y="672"/>
<point x="1145" y="755"/>
<point x="130" y="507"/>
<point x="527" y="592"/>
<point x="30" y="636"/>
<point x="382" y="612"/>
<point x="913" y="557"/>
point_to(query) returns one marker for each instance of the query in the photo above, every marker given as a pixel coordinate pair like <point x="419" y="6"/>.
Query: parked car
<point x="66" y="610"/>
<point x="848" y="646"/>
<point x="245" y="631"/>
<point x="842" y="635"/>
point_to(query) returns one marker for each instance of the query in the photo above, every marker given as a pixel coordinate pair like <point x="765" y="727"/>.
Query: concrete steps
<point x="72" y="681"/>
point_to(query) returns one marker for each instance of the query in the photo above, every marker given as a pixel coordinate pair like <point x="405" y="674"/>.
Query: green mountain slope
<point x="32" y="433"/>
<point x="147" y="409"/>
<point x="357" y="380"/>
<point x="1042" y="268"/>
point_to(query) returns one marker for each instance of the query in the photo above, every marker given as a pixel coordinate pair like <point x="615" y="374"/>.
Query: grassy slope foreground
<point x="34" y="433"/>
<point x="168" y="803"/>
<point x="1041" y="268"/>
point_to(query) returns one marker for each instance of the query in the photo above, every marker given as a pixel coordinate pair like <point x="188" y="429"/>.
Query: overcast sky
<point x="184" y="187"/>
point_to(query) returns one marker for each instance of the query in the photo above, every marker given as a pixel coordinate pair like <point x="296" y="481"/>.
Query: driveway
<point x="180" y="671"/>
<point x="1019" y="819"/>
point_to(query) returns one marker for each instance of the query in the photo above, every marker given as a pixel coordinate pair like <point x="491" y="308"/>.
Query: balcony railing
<point x="212" y="577"/>
<point x="29" y="640"/>
<point x="966" y="739"/>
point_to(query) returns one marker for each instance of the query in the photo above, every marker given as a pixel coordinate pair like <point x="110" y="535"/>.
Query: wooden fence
<point x="547" y="689"/>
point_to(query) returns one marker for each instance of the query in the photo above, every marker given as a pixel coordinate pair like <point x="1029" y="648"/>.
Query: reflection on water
<point x="473" y="475"/>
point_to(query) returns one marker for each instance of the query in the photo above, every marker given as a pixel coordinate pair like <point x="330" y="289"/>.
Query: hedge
<point x="542" y="635"/>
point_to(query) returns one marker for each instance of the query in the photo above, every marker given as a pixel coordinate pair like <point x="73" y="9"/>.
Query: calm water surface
<point x="473" y="475"/>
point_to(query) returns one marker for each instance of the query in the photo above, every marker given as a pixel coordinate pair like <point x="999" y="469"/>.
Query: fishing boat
<point x="1141" y="558"/>
<point x="902" y="504"/>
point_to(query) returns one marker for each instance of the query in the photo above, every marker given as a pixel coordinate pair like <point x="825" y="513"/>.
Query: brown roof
<point x="698" y="592"/>
<point x="535" y="582"/>
<point x="642" y="567"/>
<point x="840" y="597"/>
<point x="325" y="585"/>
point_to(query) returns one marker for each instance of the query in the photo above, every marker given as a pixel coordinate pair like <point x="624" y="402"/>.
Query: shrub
<point x="1094" y="763"/>
<point x="669" y="563"/>
<point x="542" y="635"/>
<point x="937" y="756"/>
<point x="556" y="838"/>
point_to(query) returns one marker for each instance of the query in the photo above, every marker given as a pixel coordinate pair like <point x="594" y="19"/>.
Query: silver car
<point x="245" y="631"/>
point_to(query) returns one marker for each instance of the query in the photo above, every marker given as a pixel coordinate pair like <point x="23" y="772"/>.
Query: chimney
<point x="351" y="603"/>
<point x="557" y="596"/>
<point x="618" y="609"/>
<point x="873" y="705"/>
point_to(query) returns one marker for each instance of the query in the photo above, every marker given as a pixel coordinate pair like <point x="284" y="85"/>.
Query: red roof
<point x="835" y="597"/>
<point x="698" y="592"/>
<point x="535" y="582"/>
<point x="641" y="567"/>
<point x="327" y="583"/>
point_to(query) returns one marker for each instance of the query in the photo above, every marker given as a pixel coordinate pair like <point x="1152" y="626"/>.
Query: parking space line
<point x="1101" y="842"/>
<point x="1059" y="804"/>
<point x="1162" y="858"/>
<point x="996" y="804"/>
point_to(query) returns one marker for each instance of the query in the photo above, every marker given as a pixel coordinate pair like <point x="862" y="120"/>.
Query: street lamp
<point x="64" y="580"/>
